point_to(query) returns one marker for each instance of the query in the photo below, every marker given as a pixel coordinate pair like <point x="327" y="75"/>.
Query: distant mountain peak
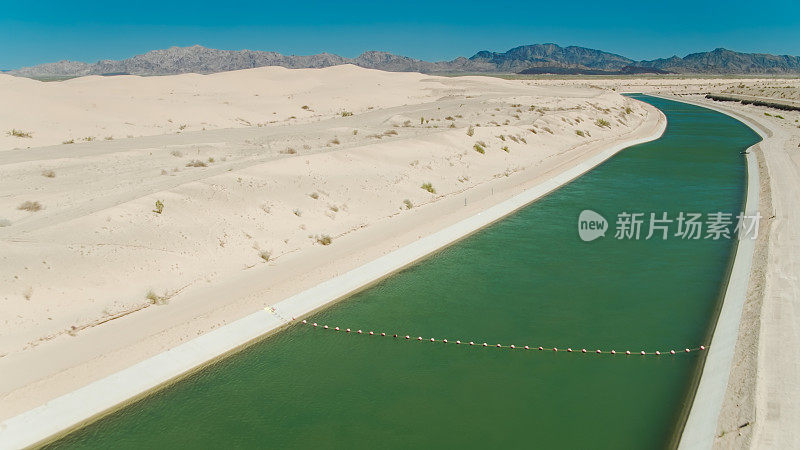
<point x="534" y="58"/>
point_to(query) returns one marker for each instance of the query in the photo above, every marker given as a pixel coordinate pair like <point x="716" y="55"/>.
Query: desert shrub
<point x="470" y="131"/>
<point x="324" y="239"/>
<point x="479" y="148"/>
<point x="390" y="133"/>
<point x="69" y="141"/>
<point x="314" y="195"/>
<point x="156" y="299"/>
<point x="505" y="148"/>
<point x="305" y="107"/>
<point x="580" y="133"/>
<point x="159" y="207"/>
<point x="602" y="123"/>
<point x="289" y="151"/>
<point x="109" y="138"/>
<point x="176" y="153"/>
<point x="407" y="203"/>
<point x="264" y="255"/>
<point x="19" y="133"/>
<point x="334" y="141"/>
<point x="346" y="113"/>
<point x="428" y="187"/>
<point x="196" y="163"/>
<point x="211" y="159"/>
<point x="334" y="208"/>
<point x="297" y="212"/>
<point x="30" y="206"/>
<point x="48" y="174"/>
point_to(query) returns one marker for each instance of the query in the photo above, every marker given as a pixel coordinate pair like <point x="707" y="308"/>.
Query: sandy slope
<point x="247" y="227"/>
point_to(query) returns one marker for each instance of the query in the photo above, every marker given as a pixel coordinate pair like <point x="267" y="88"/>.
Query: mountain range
<point x="536" y="59"/>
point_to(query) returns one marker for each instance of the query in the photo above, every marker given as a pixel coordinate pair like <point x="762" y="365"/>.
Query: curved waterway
<point x="527" y="279"/>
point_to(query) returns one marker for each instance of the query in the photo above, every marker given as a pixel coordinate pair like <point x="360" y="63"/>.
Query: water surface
<point x="528" y="279"/>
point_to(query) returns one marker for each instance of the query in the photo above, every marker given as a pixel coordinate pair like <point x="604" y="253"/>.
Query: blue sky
<point x="47" y="31"/>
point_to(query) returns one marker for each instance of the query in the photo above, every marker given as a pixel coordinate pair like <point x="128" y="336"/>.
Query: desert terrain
<point x="139" y="212"/>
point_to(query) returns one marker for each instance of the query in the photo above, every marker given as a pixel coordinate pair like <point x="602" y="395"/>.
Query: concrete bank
<point x="75" y="409"/>
<point x="701" y="425"/>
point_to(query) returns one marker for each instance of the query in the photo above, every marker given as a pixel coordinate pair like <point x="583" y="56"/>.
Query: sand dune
<point x="267" y="188"/>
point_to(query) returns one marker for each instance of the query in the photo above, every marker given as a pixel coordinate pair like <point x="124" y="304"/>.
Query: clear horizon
<point x="85" y="31"/>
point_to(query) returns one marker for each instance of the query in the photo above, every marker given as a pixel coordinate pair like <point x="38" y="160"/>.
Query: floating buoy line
<point x="409" y="338"/>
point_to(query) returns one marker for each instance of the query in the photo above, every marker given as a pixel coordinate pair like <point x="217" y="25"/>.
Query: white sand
<point x="77" y="272"/>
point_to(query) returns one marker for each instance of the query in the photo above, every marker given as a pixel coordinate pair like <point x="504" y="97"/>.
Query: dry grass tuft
<point x="30" y="206"/>
<point x="19" y="133"/>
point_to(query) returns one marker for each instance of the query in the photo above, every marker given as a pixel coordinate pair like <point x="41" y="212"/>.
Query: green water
<point x="525" y="280"/>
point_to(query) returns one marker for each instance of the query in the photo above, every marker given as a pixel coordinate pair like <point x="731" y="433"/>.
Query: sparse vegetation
<point x="305" y="107"/>
<point x="505" y="148"/>
<point x="390" y="133"/>
<point x="264" y="255"/>
<point x="628" y="110"/>
<point x="346" y="113"/>
<point x="580" y="133"/>
<point x="89" y="138"/>
<point x="69" y="141"/>
<point x="314" y="195"/>
<point x="159" y="207"/>
<point x="428" y="187"/>
<point x="479" y="148"/>
<point x="470" y="131"/>
<point x="156" y="299"/>
<point x="196" y="163"/>
<point x="30" y="206"/>
<point x="334" y="208"/>
<point x="407" y="203"/>
<point x="602" y="123"/>
<point x="210" y="159"/>
<point x="297" y="212"/>
<point x="48" y="174"/>
<point x="19" y="133"/>
<point x="289" y="151"/>
<point x="109" y="138"/>
<point x="324" y="239"/>
<point x="334" y="141"/>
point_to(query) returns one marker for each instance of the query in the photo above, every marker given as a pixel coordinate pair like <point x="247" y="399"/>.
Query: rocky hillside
<point x="535" y="59"/>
